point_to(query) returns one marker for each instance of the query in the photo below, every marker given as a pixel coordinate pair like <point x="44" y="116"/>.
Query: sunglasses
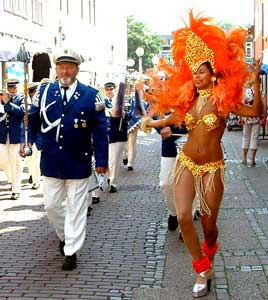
<point x="109" y="89"/>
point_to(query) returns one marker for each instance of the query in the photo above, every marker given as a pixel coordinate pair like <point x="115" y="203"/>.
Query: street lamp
<point x="139" y="53"/>
<point x="155" y="60"/>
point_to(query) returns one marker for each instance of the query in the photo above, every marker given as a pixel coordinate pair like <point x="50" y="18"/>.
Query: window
<point x="8" y="5"/>
<point x="64" y="6"/>
<point x="89" y="12"/>
<point x="20" y="8"/>
<point x="249" y="49"/>
<point x="37" y="9"/>
<point x="92" y="12"/>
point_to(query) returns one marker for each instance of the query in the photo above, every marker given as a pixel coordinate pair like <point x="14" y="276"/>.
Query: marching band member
<point x="109" y="88"/>
<point x="204" y="86"/>
<point x="168" y="159"/>
<point x="137" y="110"/>
<point x="117" y="130"/>
<point x="33" y="161"/>
<point x="10" y="132"/>
<point x="69" y="114"/>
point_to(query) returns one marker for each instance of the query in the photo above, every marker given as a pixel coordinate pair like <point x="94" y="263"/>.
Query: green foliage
<point x="227" y="25"/>
<point x="140" y="36"/>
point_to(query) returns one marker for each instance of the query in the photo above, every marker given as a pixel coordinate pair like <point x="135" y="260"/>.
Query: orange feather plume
<point x="177" y="91"/>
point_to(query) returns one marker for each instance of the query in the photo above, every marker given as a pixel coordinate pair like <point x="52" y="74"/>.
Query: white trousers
<point x="33" y="164"/>
<point x="166" y="184"/>
<point x="250" y="136"/>
<point x="115" y="158"/>
<point x="131" y="147"/>
<point x="11" y="163"/>
<point x="66" y="203"/>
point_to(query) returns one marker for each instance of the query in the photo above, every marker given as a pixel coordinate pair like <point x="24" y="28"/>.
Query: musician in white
<point x="33" y="161"/>
<point x="10" y="131"/>
<point x="117" y="130"/>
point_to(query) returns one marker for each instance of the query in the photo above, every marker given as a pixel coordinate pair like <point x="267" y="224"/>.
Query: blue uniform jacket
<point x="117" y="126"/>
<point x="11" y="125"/>
<point x="133" y="116"/>
<point x="67" y="148"/>
<point x="118" y="129"/>
<point x="169" y="148"/>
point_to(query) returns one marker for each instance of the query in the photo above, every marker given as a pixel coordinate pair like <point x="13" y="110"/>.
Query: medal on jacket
<point x="75" y="123"/>
<point x="84" y="124"/>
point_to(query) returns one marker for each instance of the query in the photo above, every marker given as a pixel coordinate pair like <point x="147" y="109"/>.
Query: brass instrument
<point x="121" y="104"/>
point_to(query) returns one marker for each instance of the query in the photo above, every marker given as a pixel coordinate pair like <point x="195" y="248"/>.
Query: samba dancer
<point x="203" y="87"/>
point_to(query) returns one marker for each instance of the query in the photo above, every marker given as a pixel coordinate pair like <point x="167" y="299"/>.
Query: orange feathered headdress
<point x="193" y="45"/>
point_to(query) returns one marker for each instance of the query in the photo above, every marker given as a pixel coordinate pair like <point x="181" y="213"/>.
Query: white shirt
<point x="70" y="90"/>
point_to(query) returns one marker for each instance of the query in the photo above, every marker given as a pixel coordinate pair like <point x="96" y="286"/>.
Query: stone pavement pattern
<point x="129" y="253"/>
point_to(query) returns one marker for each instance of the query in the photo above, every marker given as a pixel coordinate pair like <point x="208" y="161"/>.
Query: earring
<point x="213" y="79"/>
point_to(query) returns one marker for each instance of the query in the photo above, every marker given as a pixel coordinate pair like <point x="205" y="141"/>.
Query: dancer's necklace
<point x="202" y="99"/>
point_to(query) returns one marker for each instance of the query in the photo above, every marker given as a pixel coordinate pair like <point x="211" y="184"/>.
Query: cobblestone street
<point x="129" y="253"/>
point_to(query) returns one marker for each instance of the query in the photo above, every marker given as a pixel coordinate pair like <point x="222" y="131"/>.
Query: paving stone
<point x="128" y="245"/>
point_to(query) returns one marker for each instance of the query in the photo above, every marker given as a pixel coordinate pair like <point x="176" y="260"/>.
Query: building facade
<point x="88" y="26"/>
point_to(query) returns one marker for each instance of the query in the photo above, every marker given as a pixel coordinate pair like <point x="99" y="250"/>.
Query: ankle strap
<point x="202" y="264"/>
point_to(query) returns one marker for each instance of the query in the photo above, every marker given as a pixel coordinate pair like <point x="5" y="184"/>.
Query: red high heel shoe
<point x="204" y="275"/>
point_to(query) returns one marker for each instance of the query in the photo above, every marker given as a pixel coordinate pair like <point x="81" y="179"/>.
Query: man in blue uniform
<point x="10" y="131"/>
<point x="33" y="161"/>
<point x="137" y="110"/>
<point x="117" y="119"/>
<point x="71" y="115"/>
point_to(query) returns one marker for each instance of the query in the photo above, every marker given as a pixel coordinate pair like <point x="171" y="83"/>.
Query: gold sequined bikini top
<point x="210" y="121"/>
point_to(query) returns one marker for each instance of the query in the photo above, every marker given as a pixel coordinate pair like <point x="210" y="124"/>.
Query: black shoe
<point x="197" y="215"/>
<point x="172" y="223"/>
<point x="69" y="262"/>
<point x="125" y="161"/>
<point x="14" y="196"/>
<point x="130" y="168"/>
<point x="62" y="244"/>
<point x="35" y="186"/>
<point x="30" y="179"/>
<point x="95" y="200"/>
<point x="89" y="210"/>
<point x="113" y="189"/>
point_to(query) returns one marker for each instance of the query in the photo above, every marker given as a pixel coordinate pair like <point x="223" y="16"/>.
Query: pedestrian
<point x="33" y="161"/>
<point x="205" y="85"/>
<point x="69" y="115"/>
<point x="251" y="130"/>
<point x="10" y="132"/>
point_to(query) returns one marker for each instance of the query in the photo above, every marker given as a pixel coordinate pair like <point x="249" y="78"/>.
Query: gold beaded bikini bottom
<point x="183" y="162"/>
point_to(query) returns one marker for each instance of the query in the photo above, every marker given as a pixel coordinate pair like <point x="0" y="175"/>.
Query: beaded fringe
<point x="198" y="184"/>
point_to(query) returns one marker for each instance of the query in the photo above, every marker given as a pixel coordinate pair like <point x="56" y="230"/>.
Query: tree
<point x="227" y="25"/>
<point x="140" y="36"/>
